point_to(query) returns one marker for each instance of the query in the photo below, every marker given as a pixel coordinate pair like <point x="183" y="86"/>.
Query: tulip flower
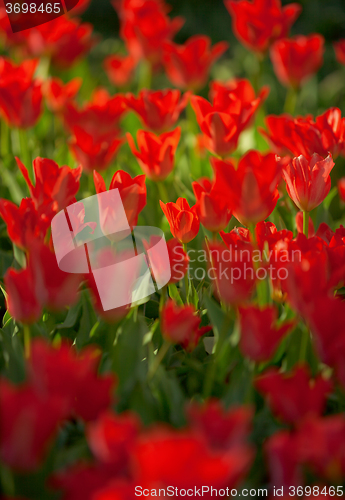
<point x="58" y="94"/>
<point x="250" y="191"/>
<point x="133" y="197"/>
<point x="20" y="93"/>
<point x="297" y="59"/>
<point x="94" y="152"/>
<point x="22" y="303"/>
<point x="180" y="325"/>
<point x="308" y="182"/>
<point x="24" y="223"/>
<point x="294" y="396"/>
<point x="156" y="153"/>
<point x="178" y="259"/>
<point x="145" y="28"/>
<point x="188" y="65"/>
<point x="232" y="109"/>
<point x="183" y="220"/>
<point x="55" y="187"/>
<point x="231" y="270"/>
<point x="159" y="110"/>
<point x="341" y="188"/>
<point x="305" y="136"/>
<point x="120" y="69"/>
<point x="258" y="23"/>
<point x="260" y="334"/>
<point x="211" y="210"/>
<point x="339" y="48"/>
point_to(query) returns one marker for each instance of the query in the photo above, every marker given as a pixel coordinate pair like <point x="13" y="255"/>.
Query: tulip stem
<point x="290" y="101"/>
<point x="158" y="359"/>
<point x="145" y="75"/>
<point x="27" y="341"/>
<point x="24" y="151"/>
<point x="162" y="298"/>
<point x="186" y="280"/>
<point x="5" y="139"/>
<point x="163" y="192"/>
<point x="306" y="223"/>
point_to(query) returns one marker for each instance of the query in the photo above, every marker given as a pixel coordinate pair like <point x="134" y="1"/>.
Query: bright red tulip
<point x="231" y="270"/>
<point x="211" y="210"/>
<point x="145" y="28"/>
<point x="258" y="23"/>
<point x="297" y="59"/>
<point x="294" y="396"/>
<point x="341" y="188"/>
<point x="20" y="93"/>
<point x="183" y="220"/>
<point x="339" y="48"/>
<point x="22" y="303"/>
<point x="232" y="109"/>
<point x="188" y="65"/>
<point x="308" y="182"/>
<point x="24" y="223"/>
<point x="266" y="232"/>
<point x="132" y="192"/>
<point x="180" y="325"/>
<point x="55" y="187"/>
<point x="260" y="334"/>
<point x="29" y="422"/>
<point x="159" y="110"/>
<point x="120" y="69"/>
<point x="94" y="152"/>
<point x="156" y="153"/>
<point x="178" y="258"/>
<point x="305" y="136"/>
<point x="250" y="191"/>
<point x="58" y="94"/>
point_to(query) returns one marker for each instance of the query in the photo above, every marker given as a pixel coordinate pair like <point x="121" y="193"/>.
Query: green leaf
<point x="174" y="294"/>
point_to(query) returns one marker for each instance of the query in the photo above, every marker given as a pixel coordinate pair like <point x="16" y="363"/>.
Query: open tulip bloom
<point x="172" y="250"/>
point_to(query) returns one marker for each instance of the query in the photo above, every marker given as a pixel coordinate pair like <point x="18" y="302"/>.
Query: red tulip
<point x="22" y="303"/>
<point x="308" y="182"/>
<point x="159" y="110"/>
<point x="99" y="116"/>
<point x="258" y="23"/>
<point x="64" y="40"/>
<point x="72" y="377"/>
<point x="231" y="270"/>
<point x="133" y="197"/>
<point x="304" y="136"/>
<point x="20" y="93"/>
<point x="29" y="422"/>
<point x="260" y="334"/>
<point x="55" y="187"/>
<point x="232" y="109"/>
<point x="341" y="188"/>
<point x="24" y="223"/>
<point x="145" y="28"/>
<point x="295" y="60"/>
<point x="180" y="325"/>
<point x="94" y="152"/>
<point x="211" y="210"/>
<point x="58" y="94"/>
<point x="178" y="259"/>
<point x="339" y="48"/>
<point x="283" y="460"/>
<point x="266" y="232"/>
<point x="183" y="221"/>
<point x="156" y="153"/>
<point x="188" y="66"/>
<point x="250" y="191"/>
<point x="294" y="396"/>
<point x="120" y="69"/>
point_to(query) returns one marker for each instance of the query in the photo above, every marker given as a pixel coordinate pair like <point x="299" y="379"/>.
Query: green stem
<point x="24" y="151"/>
<point x="290" y="101"/>
<point x="304" y="345"/>
<point x="306" y="223"/>
<point x="158" y="359"/>
<point x="162" y="298"/>
<point x="145" y="75"/>
<point x="186" y="280"/>
<point x="5" y="139"/>
<point x="163" y="192"/>
<point x="27" y="341"/>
